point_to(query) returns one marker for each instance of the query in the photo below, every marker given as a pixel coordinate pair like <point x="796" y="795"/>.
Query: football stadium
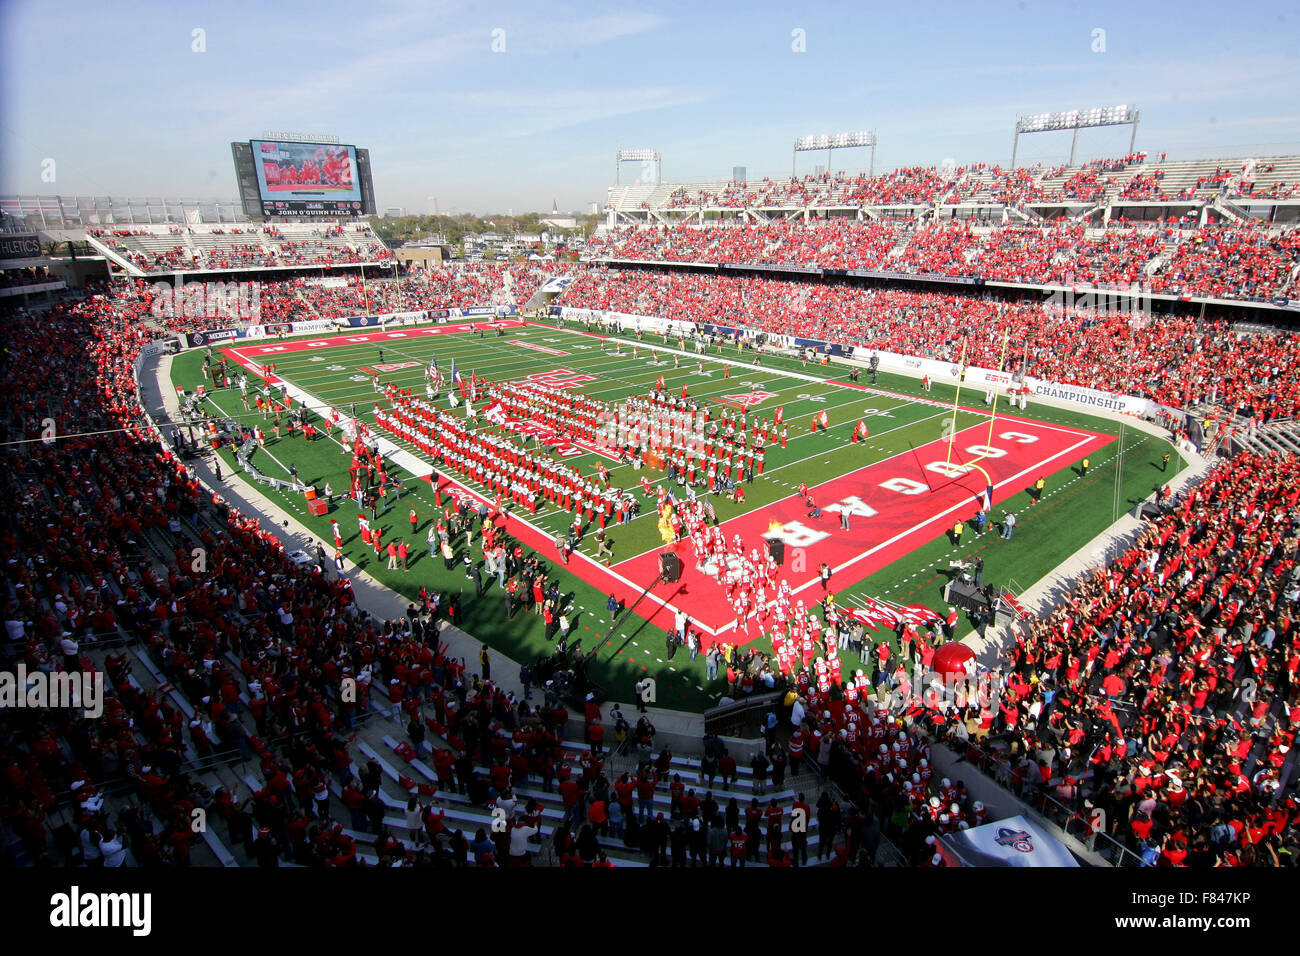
<point x="875" y="514"/>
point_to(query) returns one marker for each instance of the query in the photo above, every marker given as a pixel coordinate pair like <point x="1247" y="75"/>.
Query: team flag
<point x="780" y="414"/>
<point x="823" y="419"/>
<point x="495" y="413"/>
<point x="917" y="614"/>
<point x="455" y="377"/>
<point x="862" y="431"/>
<point x="868" y="618"/>
<point x="878" y="612"/>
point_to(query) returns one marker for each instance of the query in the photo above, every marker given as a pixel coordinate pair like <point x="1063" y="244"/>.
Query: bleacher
<point x="976" y="184"/>
<point x="145" y="249"/>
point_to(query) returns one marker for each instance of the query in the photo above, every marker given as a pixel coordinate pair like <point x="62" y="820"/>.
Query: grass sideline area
<point x="1074" y="508"/>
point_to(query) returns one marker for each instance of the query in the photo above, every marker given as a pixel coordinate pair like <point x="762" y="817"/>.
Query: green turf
<point x="1073" y="509"/>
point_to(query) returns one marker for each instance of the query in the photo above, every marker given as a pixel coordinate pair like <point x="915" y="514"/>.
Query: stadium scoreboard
<point x="297" y="179"/>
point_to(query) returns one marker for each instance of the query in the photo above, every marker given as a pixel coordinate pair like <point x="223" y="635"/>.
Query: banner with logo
<point x="1010" y="842"/>
<point x="193" y="339"/>
<point x="1089" y="397"/>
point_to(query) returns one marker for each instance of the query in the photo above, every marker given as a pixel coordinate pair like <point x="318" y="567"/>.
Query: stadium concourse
<point x="1162" y="690"/>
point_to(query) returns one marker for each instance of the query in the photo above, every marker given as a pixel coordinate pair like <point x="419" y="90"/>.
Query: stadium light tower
<point x="1076" y="120"/>
<point x="643" y="156"/>
<point x="834" y="141"/>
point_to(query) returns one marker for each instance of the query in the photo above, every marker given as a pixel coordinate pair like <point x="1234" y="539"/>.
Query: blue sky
<point x="116" y="95"/>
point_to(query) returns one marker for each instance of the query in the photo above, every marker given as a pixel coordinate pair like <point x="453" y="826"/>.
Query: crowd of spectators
<point x="1218" y="260"/>
<point x="1163" y="690"/>
<point x="99" y="545"/>
<point x="1177" y="361"/>
<point x="419" y="288"/>
<point x="975" y="182"/>
<point x="1160" y="698"/>
<point x="242" y="247"/>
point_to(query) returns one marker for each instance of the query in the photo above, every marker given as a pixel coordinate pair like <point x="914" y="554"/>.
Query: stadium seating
<point x="1233" y="261"/>
<point x="1176" y="361"/>
<point x="1173" y="670"/>
<point x="1132" y="178"/>
<point x="171" y="248"/>
<point x="1172" y="678"/>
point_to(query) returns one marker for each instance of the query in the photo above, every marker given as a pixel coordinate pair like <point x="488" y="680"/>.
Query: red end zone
<point x="895" y="506"/>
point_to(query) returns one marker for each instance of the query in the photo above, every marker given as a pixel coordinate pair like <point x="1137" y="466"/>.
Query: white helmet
<point x="907" y="785"/>
<point x="946" y="782"/>
<point x="924" y="762"/>
<point x="934" y="801"/>
<point x="929" y="841"/>
<point x="943" y="818"/>
<point x="853" y="726"/>
<point x="963" y="825"/>
<point x="954" y="809"/>
<point x="916" y="778"/>
<point x="979" y="807"/>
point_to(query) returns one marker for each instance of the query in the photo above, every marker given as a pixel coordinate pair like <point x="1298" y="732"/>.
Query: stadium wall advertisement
<point x="910" y="365"/>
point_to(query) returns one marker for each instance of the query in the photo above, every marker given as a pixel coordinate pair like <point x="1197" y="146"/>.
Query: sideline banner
<point x="193" y="339"/>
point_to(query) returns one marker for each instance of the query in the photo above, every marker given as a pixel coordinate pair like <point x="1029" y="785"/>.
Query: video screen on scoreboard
<point x="307" y="178"/>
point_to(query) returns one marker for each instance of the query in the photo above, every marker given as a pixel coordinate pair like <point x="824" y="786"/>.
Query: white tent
<point x="1010" y="842"/>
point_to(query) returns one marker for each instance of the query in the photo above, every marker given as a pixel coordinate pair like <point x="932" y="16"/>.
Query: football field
<point x="902" y="488"/>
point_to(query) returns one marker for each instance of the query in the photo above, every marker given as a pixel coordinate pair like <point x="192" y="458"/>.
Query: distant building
<point x="593" y="208"/>
<point x="394" y="212"/>
<point x="739" y="174"/>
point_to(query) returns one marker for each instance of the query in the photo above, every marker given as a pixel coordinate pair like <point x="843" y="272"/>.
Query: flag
<point x="863" y="432"/>
<point x="495" y="413"/>
<point x="659" y="385"/>
<point x="912" y="613"/>
<point x="780" y="414"/>
<point x="455" y="377"/>
<point x="868" y="618"/>
<point x="883" y="612"/>
<point x="986" y="499"/>
<point x="823" y="419"/>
